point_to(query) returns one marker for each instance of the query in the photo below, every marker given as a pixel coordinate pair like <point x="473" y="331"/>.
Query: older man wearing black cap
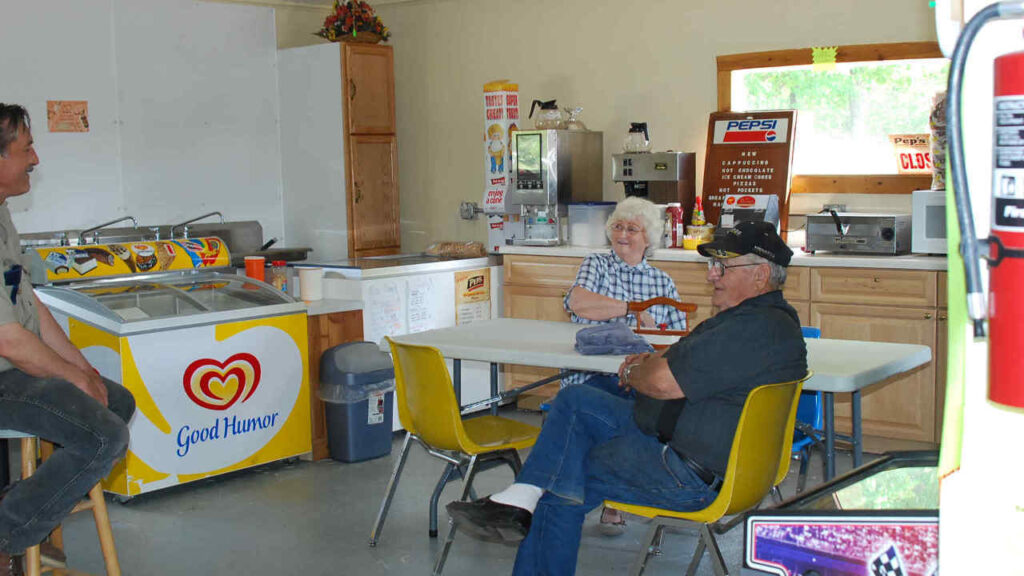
<point x="669" y="447"/>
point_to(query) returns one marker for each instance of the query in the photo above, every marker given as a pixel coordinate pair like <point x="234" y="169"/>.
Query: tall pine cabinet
<point x="339" y="151"/>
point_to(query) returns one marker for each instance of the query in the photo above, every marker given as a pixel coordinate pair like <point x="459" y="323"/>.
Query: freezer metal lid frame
<point x="178" y="305"/>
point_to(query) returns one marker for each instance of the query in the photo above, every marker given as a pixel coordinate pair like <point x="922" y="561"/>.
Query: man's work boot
<point x="10" y="565"/>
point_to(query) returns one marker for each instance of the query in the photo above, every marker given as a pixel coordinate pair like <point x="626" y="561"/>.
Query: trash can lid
<point x="342" y="363"/>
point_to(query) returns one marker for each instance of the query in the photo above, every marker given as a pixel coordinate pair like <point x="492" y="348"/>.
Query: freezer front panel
<point x="210" y="399"/>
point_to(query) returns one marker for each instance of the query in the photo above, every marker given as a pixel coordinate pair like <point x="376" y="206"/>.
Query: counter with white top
<point x="800" y="258"/>
<point x="870" y="298"/>
<point x="332" y="305"/>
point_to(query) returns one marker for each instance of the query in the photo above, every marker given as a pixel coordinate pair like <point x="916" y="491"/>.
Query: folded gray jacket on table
<point x="611" y="338"/>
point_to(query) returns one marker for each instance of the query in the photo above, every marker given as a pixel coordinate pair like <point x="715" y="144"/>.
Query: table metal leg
<point x="857" y="438"/>
<point x="830" y="437"/>
<point x="457" y="379"/>
<point x="494" y="387"/>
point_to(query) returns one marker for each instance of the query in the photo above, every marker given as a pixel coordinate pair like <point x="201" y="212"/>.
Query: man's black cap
<point x="748" y="237"/>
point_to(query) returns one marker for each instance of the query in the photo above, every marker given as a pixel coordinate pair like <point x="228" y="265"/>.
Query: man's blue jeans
<point x="91" y="439"/>
<point x="590" y="450"/>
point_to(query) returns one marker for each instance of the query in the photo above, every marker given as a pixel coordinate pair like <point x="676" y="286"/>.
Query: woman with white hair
<point x="605" y="285"/>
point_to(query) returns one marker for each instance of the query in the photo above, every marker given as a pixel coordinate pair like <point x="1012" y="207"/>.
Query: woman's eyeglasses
<point x="631" y="229"/>
<point x="719" y="267"/>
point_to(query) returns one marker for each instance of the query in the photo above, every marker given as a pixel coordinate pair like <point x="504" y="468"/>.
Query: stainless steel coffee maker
<point x="661" y="177"/>
<point x="550" y="169"/>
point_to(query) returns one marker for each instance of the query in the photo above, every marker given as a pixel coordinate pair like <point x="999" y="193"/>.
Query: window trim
<point x="833" y="183"/>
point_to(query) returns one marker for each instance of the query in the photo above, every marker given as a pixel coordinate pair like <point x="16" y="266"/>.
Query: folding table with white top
<point x="838" y="365"/>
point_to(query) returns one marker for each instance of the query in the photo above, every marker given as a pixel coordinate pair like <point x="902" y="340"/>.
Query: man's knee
<point x="576" y="396"/>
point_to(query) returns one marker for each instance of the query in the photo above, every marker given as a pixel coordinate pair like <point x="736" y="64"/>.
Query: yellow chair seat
<point x="487" y="433"/>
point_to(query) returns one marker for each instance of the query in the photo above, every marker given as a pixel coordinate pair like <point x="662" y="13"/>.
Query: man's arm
<point x="34" y="356"/>
<point x="650" y="375"/>
<point x="54" y="337"/>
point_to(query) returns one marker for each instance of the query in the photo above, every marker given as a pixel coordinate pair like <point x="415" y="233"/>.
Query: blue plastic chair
<point x="810" y="422"/>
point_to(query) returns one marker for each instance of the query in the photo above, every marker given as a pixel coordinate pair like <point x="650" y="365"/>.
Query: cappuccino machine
<point x="549" y="169"/>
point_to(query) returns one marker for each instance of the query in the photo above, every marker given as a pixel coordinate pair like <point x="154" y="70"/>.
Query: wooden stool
<point x="95" y="502"/>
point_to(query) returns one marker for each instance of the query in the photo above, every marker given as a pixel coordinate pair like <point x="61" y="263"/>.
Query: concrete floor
<point x="314" y="518"/>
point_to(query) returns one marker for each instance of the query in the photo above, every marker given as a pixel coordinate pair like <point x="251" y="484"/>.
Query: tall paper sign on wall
<point x="501" y="118"/>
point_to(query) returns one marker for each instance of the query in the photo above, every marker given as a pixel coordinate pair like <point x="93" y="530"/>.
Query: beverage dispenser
<point x="550" y="169"/>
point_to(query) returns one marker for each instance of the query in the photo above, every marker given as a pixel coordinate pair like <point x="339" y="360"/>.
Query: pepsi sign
<point x="760" y="131"/>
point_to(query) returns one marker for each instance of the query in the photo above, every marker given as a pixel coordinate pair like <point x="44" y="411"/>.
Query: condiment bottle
<point x="698" y="212"/>
<point x="279" y="275"/>
<point x="674" y="225"/>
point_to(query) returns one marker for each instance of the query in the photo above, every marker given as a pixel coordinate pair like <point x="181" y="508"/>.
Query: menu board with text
<point x="748" y="153"/>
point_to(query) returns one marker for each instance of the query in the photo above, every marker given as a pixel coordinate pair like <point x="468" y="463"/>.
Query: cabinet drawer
<point x="691" y="278"/>
<point x="798" y="283"/>
<point x="873" y="286"/>
<point x="541" y="270"/>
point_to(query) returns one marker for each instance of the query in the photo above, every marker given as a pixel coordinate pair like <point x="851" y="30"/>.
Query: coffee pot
<point x="637" y="139"/>
<point x="549" y="117"/>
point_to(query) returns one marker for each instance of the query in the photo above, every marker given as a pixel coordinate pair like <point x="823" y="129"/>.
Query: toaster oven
<point x="852" y="233"/>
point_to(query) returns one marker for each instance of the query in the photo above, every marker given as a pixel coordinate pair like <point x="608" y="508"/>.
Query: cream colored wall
<point x="638" y="60"/>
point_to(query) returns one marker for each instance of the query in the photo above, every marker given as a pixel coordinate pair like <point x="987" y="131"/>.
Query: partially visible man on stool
<point x="668" y="448"/>
<point x="47" y="388"/>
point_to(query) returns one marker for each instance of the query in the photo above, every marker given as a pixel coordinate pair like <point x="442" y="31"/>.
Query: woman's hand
<point x="645" y="320"/>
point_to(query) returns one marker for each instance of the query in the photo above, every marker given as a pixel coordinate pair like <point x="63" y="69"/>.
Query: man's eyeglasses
<point x="719" y="267"/>
<point x="631" y="229"/>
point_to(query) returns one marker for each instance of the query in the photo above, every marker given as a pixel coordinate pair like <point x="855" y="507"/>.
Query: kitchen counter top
<point x="381" y="267"/>
<point x="800" y="258"/>
<point x="332" y="305"/>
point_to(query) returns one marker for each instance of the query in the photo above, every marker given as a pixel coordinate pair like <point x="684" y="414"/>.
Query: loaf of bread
<point x="457" y="250"/>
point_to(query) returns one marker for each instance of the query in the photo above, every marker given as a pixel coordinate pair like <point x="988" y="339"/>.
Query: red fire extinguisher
<point x="1006" y="244"/>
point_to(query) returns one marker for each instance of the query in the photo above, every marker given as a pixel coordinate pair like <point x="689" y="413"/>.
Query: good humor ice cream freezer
<point x="216" y="361"/>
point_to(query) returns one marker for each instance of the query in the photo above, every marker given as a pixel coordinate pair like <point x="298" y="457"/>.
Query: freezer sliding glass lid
<point x="159" y="296"/>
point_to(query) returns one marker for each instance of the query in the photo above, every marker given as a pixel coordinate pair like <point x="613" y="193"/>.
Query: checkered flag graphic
<point x="888" y="563"/>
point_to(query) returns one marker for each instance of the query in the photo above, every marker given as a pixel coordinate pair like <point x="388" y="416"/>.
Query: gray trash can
<point x="357" y="382"/>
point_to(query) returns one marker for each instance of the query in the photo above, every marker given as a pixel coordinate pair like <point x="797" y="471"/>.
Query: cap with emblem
<point x="748" y="237"/>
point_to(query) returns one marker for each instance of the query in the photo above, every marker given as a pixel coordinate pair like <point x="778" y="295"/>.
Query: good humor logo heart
<point x="217" y="386"/>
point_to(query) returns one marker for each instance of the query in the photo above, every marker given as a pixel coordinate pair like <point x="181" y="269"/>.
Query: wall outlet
<point x="836" y="207"/>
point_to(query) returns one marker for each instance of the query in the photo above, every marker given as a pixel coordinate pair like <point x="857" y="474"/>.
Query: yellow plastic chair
<point x="787" y="446"/>
<point x="758" y="448"/>
<point x="430" y="414"/>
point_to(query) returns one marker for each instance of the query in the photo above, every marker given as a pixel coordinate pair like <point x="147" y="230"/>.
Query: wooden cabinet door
<point x="325" y="331"/>
<point x="904" y="407"/>
<point x="941" y="351"/>
<point x="373" y="195"/>
<point x="369" y="78"/>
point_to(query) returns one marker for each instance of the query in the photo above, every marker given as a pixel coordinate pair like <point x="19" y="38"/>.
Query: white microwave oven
<point x="928" y="222"/>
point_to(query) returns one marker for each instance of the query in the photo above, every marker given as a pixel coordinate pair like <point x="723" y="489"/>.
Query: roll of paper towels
<point x="311" y="284"/>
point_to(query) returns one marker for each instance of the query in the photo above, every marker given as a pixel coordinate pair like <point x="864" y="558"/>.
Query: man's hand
<point x="93" y="386"/>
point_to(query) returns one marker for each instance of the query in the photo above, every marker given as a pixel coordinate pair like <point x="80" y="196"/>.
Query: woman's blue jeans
<point x="91" y="439"/>
<point x="588" y="451"/>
